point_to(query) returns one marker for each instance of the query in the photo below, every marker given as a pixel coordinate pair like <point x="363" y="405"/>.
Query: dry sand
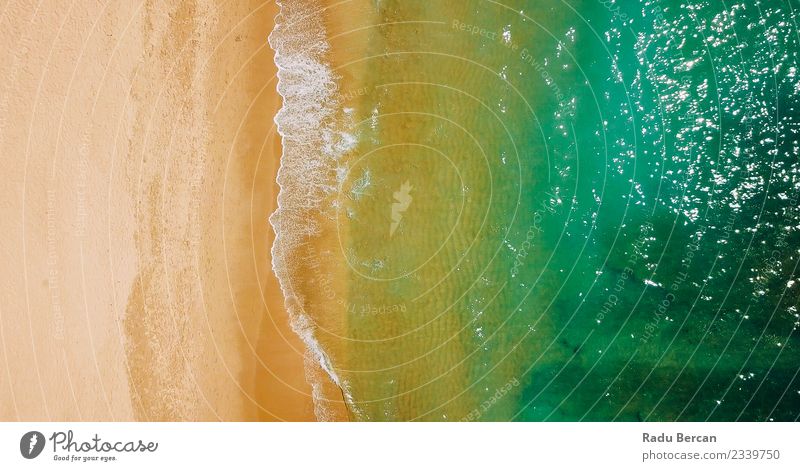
<point x="139" y="158"/>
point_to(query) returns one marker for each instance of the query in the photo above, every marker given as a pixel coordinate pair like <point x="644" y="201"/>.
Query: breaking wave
<point x="309" y="123"/>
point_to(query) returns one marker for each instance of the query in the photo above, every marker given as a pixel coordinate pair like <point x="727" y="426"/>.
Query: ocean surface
<point x="543" y="210"/>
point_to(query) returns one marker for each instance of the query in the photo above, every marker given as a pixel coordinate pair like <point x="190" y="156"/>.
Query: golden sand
<point x="139" y="155"/>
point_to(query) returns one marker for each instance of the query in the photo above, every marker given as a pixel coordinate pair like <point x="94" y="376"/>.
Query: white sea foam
<point x="312" y="147"/>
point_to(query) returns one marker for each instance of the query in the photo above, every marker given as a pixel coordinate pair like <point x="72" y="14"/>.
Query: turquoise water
<point x="595" y="211"/>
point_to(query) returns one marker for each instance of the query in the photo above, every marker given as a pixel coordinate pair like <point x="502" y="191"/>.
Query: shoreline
<point x="315" y="69"/>
<point x="302" y="259"/>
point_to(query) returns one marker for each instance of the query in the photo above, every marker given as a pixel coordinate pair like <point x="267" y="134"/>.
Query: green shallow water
<point x="595" y="213"/>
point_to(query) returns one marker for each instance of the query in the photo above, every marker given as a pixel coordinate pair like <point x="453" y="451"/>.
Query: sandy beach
<point x="140" y="155"/>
